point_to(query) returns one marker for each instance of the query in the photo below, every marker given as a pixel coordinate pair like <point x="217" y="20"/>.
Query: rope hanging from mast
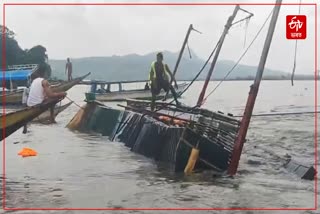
<point x="227" y="26"/>
<point x="246" y="31"/>
<point x="244" y="19"/>
<point x="295" y="53"/>
<point x="188" y="41"/>
<point x="244" y="53"/>
<point x="232" y="69"/>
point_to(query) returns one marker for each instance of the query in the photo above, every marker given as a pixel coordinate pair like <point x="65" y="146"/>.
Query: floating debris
<point x="27" y="152"/>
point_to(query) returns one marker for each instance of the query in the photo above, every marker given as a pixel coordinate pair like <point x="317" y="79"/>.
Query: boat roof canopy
<point x="14" y="75"/>
<point x="18" y="72"/>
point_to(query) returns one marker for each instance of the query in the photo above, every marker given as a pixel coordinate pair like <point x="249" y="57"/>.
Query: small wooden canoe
<point x="45" y="116"/>
<point x="11" y="97"/>
<point x="15" y="98"/>
<point x="13" y="121"/>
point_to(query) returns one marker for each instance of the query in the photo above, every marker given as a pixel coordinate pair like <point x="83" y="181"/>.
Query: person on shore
<point x="146" y="86"/>
<point x="69" y="69"/>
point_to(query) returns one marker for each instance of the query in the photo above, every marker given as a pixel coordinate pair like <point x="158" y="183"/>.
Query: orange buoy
<point x="27" y="152"/>
<point x="194" y="155"/>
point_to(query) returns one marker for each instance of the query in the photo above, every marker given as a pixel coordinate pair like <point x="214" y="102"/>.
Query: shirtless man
<point x="69" y="69"/>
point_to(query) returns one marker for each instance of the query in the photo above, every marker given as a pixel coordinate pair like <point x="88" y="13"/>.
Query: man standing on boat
<point x="40" y="92"/>
<point x="159" y="76"/>
<point x="69" y="69"/>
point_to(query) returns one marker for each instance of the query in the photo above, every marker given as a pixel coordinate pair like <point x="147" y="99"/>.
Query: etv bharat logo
<point x="296" y="27"/>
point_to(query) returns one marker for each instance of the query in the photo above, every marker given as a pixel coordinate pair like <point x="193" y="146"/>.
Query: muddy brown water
<point x="77" y="170"/>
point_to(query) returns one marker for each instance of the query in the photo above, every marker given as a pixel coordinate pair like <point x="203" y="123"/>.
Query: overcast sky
<point x="83" y="31"/>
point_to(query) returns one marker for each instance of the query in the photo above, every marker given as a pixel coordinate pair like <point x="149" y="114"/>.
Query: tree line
<point x="15" y="55"/>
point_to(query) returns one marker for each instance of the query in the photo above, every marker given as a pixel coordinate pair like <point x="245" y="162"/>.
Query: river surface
<point x="74" y="170"/>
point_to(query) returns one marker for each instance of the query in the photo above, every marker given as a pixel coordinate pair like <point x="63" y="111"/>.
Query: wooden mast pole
<point x="181" y="51"/>
<point x="214" y="61"/>
<point x="237" y="149"/>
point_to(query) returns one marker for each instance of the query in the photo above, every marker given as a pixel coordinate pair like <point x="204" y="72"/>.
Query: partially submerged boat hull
<point x="150" y="137"/>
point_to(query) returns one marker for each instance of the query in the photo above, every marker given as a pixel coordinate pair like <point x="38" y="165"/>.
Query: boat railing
<point x="33" y="67"/>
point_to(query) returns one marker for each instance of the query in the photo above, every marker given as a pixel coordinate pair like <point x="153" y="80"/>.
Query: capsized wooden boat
<point x="140" y="94"/>
<point x="45" y="116"/>
<point x="12" y="121"/>
<point x="15" y="98"/>
<point x="162" y="136"/>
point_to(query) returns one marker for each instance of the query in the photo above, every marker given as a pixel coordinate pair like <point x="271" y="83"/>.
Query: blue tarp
<point x="15" y="75"/>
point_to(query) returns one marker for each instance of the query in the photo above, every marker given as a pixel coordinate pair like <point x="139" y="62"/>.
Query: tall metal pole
<point x="214" y="61"/>
<point x="237" y="149"/>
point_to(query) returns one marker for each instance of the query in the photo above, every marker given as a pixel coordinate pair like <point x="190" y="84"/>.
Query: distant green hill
<point x="136" y="67"/>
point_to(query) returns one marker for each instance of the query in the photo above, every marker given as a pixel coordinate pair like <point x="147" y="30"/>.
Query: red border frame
<point x="161" y="4"/>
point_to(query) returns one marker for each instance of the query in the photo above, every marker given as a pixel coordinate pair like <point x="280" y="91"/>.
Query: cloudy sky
<point x="82" y="31"/>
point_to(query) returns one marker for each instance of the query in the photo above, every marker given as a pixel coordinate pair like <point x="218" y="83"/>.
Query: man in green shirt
<point x="159" y="76"/>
